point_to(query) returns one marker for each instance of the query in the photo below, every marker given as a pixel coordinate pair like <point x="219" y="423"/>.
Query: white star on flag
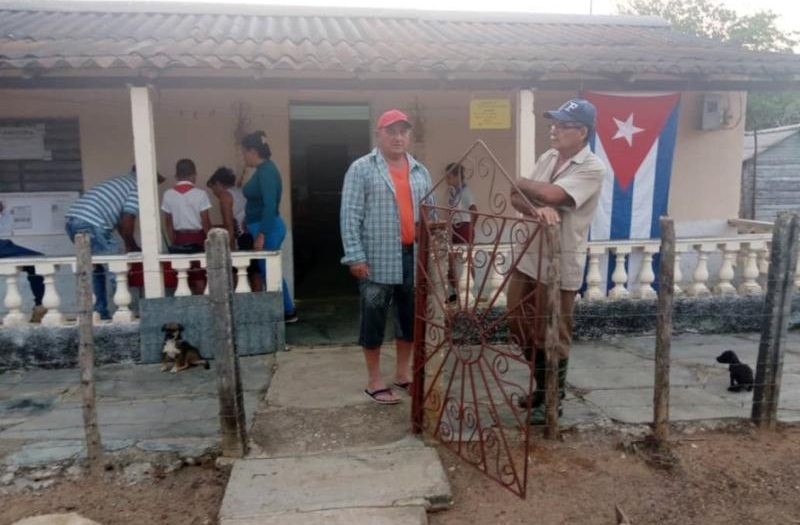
<point x="626" y="130"/>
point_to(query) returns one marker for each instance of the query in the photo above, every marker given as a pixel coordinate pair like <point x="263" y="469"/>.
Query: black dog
<point x="741" y="374"/>
<point x="178" y="351"/>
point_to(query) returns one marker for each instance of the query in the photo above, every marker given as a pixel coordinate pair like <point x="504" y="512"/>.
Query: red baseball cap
<point x="392" y="116"/>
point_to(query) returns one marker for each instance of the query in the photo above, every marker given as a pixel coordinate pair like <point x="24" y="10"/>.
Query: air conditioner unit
<point x="711" y="115"/>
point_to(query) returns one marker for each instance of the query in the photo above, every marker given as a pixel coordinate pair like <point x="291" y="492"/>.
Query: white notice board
<point x="23" y="142"/>
<point x="40" y="213"/>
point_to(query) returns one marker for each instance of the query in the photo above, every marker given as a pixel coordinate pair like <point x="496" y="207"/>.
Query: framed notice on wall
<point x="23" y="142"/>
<point x="490" y="113"/>
<point x="40" y="213"/>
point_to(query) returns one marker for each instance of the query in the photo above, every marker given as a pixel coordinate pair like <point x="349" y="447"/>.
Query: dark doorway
<point x="324" y="140"/>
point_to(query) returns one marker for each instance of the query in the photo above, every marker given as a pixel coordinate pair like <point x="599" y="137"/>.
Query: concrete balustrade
<point x="721" y="266"/>
<point x="11" y="271"/>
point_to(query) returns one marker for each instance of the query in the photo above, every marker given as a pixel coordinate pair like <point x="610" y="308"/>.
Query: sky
<point x="789" y="10"/>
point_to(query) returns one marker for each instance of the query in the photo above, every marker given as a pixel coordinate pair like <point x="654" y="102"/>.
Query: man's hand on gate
<point x="546" y="215"/>
<point x="360" y="270"/>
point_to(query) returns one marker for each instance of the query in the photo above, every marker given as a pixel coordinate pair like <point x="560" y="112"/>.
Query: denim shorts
<point x="375" y="300"/>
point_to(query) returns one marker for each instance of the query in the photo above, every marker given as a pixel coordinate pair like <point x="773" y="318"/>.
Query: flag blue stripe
<point x="664" y="156"/>
<point x="621" y="213"/>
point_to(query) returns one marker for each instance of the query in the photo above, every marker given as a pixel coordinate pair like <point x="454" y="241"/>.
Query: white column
<point x="274" y="274"/>
<point x="181" y="267"/>
<point x="13" y="299"/>
<point x="464" y="291"/>
<point x="750" y="274"/>
<point x="620" y="275"/>
<point x="122" y="296"/>
<point x="646" y="275"/>
<point x="676" y="289"/>
<point x="144" y="148"/>
<point x="724" y="287"/>
<point x="51" y="299"/>
<point x="698" y="287"/>
<point x="526" y="133"/>
<point x="242" y="282"/>
<point x="593" y="275"/>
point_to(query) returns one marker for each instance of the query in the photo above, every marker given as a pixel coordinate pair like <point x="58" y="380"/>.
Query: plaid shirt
<point x="369" y="218"/>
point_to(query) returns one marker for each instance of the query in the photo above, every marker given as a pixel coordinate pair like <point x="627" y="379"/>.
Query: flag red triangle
<point x="627" y="126"/>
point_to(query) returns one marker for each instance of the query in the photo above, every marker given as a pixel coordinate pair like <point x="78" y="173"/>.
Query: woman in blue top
<point x="263" y="194"/>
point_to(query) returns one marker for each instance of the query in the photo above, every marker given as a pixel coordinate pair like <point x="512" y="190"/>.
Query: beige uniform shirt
<point x="581" y="177"/>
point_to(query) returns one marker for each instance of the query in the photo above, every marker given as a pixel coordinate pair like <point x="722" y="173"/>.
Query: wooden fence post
<point x="229" y="385"/>
<point x="666" y="292"/>
<point x="94" y="445"/>
<point x="552" y="396"/>
<point x="777" y="310"/>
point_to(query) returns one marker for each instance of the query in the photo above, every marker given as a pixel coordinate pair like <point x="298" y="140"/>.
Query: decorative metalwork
<point x="471" y="370"/>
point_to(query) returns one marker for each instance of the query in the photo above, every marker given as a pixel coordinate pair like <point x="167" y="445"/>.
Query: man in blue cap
<point x="564" y="189"/>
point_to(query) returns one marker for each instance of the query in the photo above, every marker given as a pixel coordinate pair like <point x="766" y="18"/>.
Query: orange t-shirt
<point x="402" y="189"/>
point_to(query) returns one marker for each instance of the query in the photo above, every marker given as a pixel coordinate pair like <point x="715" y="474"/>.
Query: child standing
<point x="462" y="221"/>
<point x="187" y="220"/>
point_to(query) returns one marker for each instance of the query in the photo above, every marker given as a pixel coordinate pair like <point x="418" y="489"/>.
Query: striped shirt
<point x="104" y="204"/>
<point x="369" y="218"/>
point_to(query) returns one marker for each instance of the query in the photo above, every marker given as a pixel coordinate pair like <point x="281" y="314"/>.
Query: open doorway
<point x="324" y="140"/>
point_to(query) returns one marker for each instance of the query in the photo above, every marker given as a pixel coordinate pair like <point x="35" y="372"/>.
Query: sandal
<point x="405" y="387"/>
<point x="375" y="393"/>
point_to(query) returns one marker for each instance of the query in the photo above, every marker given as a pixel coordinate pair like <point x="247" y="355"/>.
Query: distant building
<point x="770" y="173"/>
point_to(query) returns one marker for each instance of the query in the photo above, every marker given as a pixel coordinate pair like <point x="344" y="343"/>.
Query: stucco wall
<point x="200" y="124"/>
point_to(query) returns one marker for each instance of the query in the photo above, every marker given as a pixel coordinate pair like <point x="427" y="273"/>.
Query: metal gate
<point x="470" y="369"/>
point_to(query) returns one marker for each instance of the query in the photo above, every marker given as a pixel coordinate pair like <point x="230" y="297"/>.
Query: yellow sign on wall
<point x="490" y="113"/>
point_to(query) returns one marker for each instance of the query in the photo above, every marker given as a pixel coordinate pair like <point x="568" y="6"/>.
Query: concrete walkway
<point x="322" y="452"/>
<point x="139" y="408"/>
<point x="325" y="454"/>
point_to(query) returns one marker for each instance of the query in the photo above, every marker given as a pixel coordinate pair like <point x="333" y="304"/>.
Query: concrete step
<point x="337" y="486"/>
<point x="413" y="515"/>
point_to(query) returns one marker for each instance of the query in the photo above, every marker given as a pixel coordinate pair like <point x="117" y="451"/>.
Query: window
<point x="54" y="164"/>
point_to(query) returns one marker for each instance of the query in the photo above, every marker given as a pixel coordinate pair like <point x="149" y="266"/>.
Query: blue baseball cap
<point x="575" y="110"/>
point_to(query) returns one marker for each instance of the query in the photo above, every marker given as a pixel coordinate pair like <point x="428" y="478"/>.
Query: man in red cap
<point x="380" y="206"/>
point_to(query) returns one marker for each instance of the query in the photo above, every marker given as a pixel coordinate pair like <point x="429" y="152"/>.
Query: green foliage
<point x="756" y="32"/>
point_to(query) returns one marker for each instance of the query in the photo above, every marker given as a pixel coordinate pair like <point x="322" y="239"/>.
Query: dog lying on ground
<point x="178" y="351"/>
<point x="741" y="374"/>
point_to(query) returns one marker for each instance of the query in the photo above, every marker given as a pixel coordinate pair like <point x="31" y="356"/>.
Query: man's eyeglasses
<point x="560" y="126"/>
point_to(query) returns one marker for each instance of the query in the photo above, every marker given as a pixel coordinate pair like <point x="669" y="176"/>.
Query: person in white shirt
<point x="186" y="219"/>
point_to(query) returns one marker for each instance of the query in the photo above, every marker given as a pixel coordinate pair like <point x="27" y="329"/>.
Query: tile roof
<point x="61" y="36"/>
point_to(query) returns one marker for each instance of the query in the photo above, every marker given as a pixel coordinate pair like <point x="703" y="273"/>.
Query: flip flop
<point x="375" y="393"/>
<point x="406" y="387"/>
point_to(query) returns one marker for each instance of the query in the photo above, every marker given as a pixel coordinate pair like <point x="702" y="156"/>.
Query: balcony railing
<point x="120" y="266"/>
<point x="704" y="266"/>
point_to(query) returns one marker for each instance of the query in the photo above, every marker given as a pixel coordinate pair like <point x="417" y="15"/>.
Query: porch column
<point x="526" y="133"/>
<point x="144" y="148"/>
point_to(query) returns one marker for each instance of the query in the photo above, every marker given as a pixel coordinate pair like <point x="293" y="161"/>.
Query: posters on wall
<point x="34" y="213"/>
<point x="23" y="142"/>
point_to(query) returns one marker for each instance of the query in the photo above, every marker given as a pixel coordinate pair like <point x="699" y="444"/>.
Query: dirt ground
<point x="189" y="496"/>
<point x="720" y="478"/>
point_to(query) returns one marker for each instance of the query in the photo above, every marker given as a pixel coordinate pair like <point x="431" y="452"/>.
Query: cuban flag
<point x="635" y="137"/>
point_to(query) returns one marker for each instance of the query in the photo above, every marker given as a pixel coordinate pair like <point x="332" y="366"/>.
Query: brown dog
<point x="181" y="353"/>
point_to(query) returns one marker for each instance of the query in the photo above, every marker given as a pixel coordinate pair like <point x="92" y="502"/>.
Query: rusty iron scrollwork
<point x="471" y="371"/>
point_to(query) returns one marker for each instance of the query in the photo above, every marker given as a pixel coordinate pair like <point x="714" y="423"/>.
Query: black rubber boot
<point x="537" y="397"/>
<point x="539" y="416"/>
